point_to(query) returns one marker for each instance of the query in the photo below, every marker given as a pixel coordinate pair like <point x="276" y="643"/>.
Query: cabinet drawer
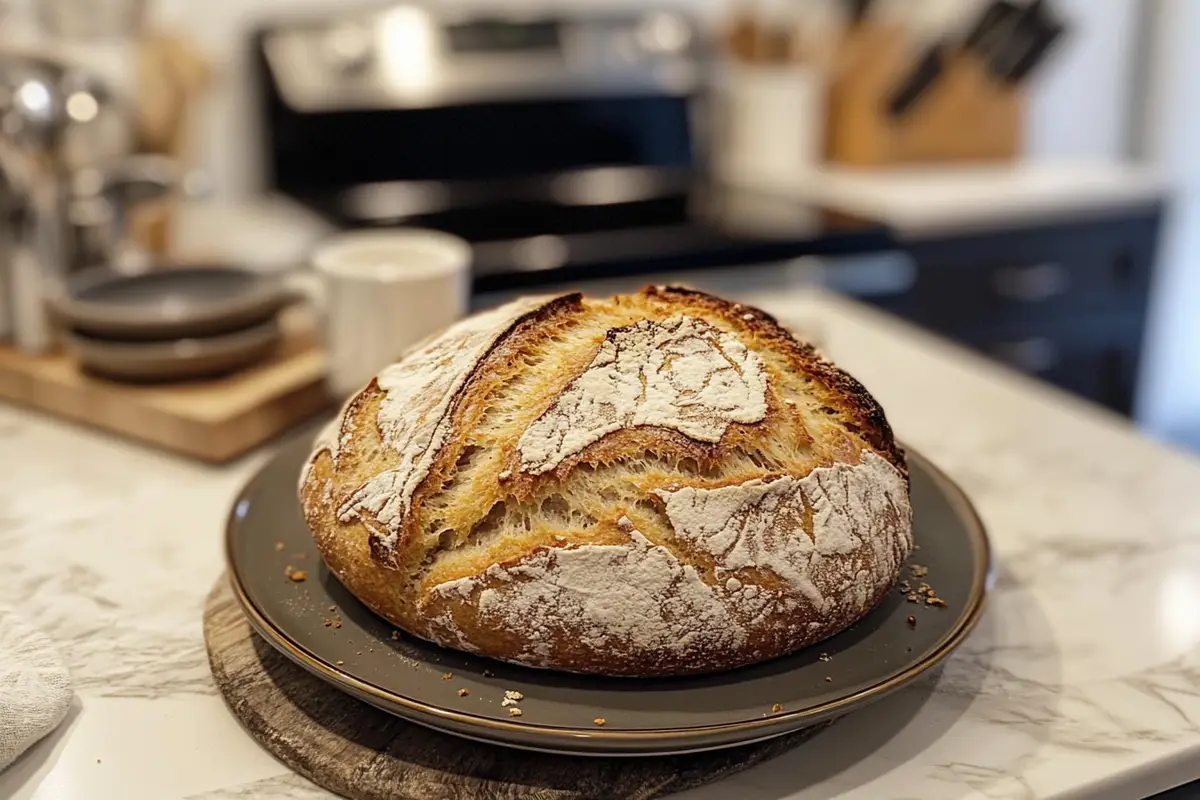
<point x="1095" y="357"/>
<point x="1035" y="275"/>
<point x="885" y="280"/>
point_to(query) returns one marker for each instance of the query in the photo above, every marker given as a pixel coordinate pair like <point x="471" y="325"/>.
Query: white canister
<point x="770" y="123"/>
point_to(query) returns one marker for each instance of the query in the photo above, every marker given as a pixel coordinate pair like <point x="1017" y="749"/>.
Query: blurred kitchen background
<point x="1018" y="177"/>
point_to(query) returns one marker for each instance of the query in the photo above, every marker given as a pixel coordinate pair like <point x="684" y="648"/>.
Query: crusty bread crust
<point x="654" y="484"/>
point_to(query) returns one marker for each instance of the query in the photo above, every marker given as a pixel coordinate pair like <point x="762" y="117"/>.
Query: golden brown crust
<point x="652" y="539"/>
<point x="844" y="393"/>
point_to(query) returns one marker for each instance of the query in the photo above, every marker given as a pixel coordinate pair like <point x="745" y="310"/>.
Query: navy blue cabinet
<point x="1066" y="302"/>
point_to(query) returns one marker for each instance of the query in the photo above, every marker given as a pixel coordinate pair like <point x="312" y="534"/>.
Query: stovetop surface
<point x="603" y="223"/>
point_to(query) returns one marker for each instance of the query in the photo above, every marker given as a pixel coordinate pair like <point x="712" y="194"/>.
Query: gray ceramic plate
<point x="169" y="303"/>
<point x="404" y="675"/>
<point x="178" y="360"/>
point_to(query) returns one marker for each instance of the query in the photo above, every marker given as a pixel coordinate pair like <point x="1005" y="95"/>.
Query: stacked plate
<point x="172" y="324"/>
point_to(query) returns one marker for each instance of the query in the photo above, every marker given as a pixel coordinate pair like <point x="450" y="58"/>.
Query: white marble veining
<point x="1082" y="681"/>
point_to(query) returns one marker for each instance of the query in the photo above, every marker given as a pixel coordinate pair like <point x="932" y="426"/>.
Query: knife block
<point x="965" y="116"/>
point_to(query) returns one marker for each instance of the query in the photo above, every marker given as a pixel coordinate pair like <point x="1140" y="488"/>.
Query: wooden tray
<point x="214" y="420"/>
<point x="361" y="752"/>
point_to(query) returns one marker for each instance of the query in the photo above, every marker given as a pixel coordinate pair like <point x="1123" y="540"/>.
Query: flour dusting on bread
<point x="681" y="373"/>
<point x="760" y="524"/>
<point x="414" y="419"/>
<point x="636" y="596"/>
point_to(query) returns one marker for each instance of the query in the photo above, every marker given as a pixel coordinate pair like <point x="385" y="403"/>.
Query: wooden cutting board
<point x="214" y="420"/>
<point x="358" y="751"/>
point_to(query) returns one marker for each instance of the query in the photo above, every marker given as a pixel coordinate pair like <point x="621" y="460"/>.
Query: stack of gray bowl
<point x="171" y="324"/>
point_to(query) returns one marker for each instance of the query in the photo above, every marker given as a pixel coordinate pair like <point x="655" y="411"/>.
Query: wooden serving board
<point x="361" y="752"/>
<point x="214" y="420"/>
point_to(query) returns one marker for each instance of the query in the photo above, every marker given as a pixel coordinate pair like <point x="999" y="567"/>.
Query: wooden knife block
<point x="964" y="117"/>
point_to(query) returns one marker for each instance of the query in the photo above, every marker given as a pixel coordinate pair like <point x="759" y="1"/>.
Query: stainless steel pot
<point x="102" y="198"/>
<point x="56" y="118"/>
<point x="59" y="112"/>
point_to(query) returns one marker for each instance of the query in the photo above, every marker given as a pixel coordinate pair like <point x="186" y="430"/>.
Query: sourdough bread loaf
<point x="655" y="484"/>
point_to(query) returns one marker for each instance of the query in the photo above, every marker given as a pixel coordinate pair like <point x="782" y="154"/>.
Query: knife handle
<point x="927" y="71"/>
<point x="996" y="15"/>
<point x="1035" y="53"/>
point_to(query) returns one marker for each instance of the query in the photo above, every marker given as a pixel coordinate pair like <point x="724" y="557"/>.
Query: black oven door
<point x="315" y="153"/>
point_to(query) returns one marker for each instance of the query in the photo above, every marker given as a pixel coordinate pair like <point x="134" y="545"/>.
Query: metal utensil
<point x="103" y="198"/>
<point x="54" y="119"/>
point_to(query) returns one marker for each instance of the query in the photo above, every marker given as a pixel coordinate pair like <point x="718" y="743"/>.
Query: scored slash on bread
<point x="652" y="484"/>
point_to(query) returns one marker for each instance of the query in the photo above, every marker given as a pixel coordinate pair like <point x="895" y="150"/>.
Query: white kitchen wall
<point x="1080" y="107"/>
<point x="1167" y="136"/>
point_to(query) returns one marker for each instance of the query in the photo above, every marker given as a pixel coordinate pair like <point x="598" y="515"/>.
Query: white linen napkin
<point x="35" y="686"/>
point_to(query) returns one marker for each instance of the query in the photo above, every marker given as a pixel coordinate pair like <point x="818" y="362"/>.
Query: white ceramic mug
<point x="381" y="292"/>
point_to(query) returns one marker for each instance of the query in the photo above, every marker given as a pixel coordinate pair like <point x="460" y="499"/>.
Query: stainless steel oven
<point x="563" y="146"/>
<point x="384" y="115"/>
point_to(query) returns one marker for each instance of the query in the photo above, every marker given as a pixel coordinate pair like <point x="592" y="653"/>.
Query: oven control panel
<point x="411" y="56"/>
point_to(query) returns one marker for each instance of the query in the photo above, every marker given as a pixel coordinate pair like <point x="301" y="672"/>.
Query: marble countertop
<point x="917" y="201"/>
<point x="1082" y="681"/>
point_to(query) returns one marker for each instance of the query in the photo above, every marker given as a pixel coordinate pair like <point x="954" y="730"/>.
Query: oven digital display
<point x="498" y="36"/>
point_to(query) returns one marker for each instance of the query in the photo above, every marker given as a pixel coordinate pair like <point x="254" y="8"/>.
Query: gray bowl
<point x="169" y="304"/>
<point x="175" y="360"/>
